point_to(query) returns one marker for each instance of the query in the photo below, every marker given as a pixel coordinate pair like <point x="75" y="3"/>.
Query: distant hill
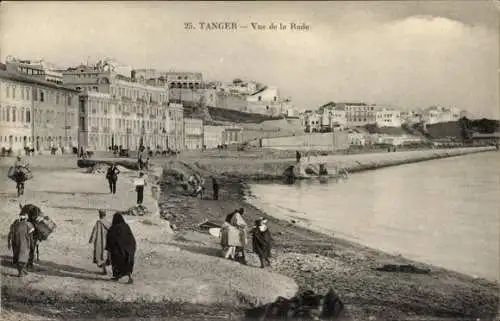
<point x="235" y="116"/>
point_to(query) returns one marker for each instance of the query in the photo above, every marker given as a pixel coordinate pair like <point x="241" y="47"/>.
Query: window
<point x="259" y="98"/>
<point x="14" y="92"/>
<point x="14" y="111"/>
<point x="22" y="93"/>
<point x="69" y="100"/>
<point x="28" y="116"/>
<point x="28" y="93"/>
<point x="82" y="106"/>
<point x="42" y="98"/>
<point x="22" y="115"/>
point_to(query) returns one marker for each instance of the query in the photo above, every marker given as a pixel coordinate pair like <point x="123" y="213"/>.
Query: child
<point x="262" y="242"/>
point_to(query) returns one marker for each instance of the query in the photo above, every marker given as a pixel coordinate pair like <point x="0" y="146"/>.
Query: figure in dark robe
<point x="98" y="240"/>
<point x="120" y="242"/>
<point x="215" y="188"/>
<point x="112" y="177"/>
<point x="20" y="240"/>
<point x="262" y="242"/>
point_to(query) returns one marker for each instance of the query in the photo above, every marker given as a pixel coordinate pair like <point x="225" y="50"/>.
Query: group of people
<point x="113" y="244"/>
<point x="139" y="182"/>
<point x="234" y="239"/>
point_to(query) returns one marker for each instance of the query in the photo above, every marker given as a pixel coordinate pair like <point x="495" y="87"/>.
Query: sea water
<point x="445" y="212"/>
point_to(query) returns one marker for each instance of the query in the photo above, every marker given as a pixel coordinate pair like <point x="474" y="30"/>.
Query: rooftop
<point x="31" y="80"/>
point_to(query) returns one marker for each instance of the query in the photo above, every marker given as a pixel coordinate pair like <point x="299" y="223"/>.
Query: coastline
<point x="317" y="261"/>
<point x="253" y="168"/>
<point x="313" y="260"/>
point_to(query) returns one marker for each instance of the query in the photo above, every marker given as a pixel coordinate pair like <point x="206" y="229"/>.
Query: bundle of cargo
<point x="44" y="225"/>
<point x="19" y="173"/>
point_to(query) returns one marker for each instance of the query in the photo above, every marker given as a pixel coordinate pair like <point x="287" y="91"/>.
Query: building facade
<point x="182" y="86"/>
<point x="212" y="136"/>
<point x="359" y="114"/>
<point x="438" y="114"/>
<point x="36" y="114"/>
<point x="36" y="69"/>
<point x="193" y="133"/>
<point x="388" y="118"/>
<point x="176" y="129"/>
<point x="116" y="110"/>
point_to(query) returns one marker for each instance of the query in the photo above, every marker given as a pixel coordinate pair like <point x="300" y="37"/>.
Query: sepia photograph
<point x="250" y="160"/>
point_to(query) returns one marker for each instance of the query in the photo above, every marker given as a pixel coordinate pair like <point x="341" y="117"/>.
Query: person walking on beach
<point x="20" y="240"/>
<point x="139" y="183"/>
<point x="20" y="169"/>
<point x="112" y="177"/>
<point x="234" y="236"/>
<point x="98" y="240"/>
<point x="262" y="242"/>
<point x="121" y="244"/>
<point x="215" y="188"/>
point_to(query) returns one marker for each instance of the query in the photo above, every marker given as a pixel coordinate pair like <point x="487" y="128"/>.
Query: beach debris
<point x="138" y="210"/>
<point x="403" y="268"/>
<point x="306" y="305"/>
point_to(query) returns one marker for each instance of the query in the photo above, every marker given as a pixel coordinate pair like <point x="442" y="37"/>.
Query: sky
<point x="408" y="54"/>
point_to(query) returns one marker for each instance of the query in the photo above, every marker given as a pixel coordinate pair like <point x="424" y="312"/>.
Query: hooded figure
<point x="98" y="240"/>
<point x="262" y="242"/>
<point x="120" y="242"/>
<point x="234" y="236"/>
<point x="20" y="240"/>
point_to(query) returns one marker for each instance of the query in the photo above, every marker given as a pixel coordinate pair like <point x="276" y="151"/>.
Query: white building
<point x="438" y="114"/>
<point x="193" y="133"/>
<point x="388" y="118"/>
<point x="356" y="139"/>
<point x="213" y="136"/>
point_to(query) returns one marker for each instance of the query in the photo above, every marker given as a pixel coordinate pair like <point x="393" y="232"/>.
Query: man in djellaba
<point x="20" y="240"/>
<point x="262" y="242"/>
<point x="98" y="240"/>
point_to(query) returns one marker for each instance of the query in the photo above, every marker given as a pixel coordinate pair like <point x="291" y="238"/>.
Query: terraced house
<point x="35" y="113"/>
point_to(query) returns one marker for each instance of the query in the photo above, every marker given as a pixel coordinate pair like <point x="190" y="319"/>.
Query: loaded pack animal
<point x="44" y="226"/>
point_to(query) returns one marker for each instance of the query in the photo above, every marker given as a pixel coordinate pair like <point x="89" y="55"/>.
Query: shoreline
<point x="261" y="170"/>
<point x="252" y="200"/>
<point x="313" y="260"/>
<point x="347" y="266"/>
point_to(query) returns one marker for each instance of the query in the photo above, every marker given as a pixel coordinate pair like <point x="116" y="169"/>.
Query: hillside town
<point x="95" y="107"/>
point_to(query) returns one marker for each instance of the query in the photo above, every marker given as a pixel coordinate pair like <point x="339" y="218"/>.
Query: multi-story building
<point x="105" y="121"/>
<point x="312" y="122"/>
<point x="388" y="118"/>
<point x="35" y="113"/>
<point x="212" y="136"/>
<point x="193" y="133"/>
<point x="359" y="114"/>
<point x="438" y="114"/>
<point x="182" y="86"/>
<point x="232" y="135"/>
<point x="176" y="129"/>
<point x="35" y="68"/>
<point x="115" y="110"/>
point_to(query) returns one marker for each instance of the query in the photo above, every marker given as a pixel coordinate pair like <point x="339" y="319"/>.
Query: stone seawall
<point x="272" y="169"/>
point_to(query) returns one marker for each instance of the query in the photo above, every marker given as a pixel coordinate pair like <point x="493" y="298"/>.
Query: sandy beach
<point x="181" y="274"/>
